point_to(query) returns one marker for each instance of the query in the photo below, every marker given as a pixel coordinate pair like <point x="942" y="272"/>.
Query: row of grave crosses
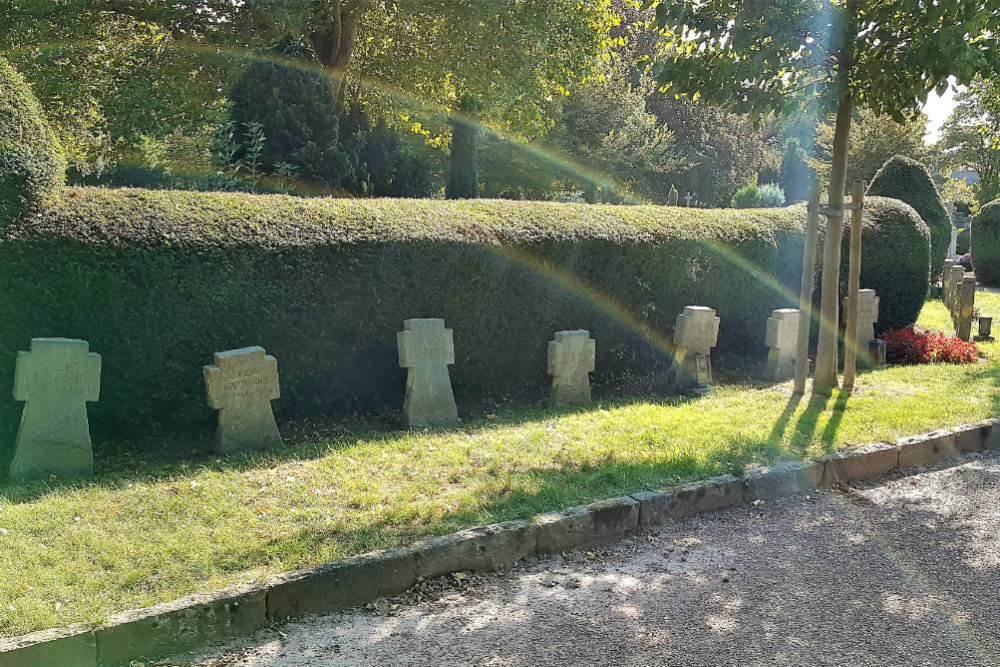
<point x="59" y="376"/>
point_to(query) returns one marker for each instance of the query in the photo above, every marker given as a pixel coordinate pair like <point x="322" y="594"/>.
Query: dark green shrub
<point x="31" y="162"/>
<point x="158" y="281"/>
<point x="310" y="137"/>
<point x="895" y="256"/>
<point x="746" y="197"/>
<point x="986" y="248"/>
<point x="908" y="180"/>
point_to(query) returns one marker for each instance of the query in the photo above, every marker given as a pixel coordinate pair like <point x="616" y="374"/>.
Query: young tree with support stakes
<point x="824" y="58"/>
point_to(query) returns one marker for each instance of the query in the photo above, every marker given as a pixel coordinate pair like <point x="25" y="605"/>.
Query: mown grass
<point x="146" y="533"/>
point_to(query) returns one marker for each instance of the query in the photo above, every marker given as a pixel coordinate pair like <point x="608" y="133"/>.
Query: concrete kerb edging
<point x="197" y="621"/>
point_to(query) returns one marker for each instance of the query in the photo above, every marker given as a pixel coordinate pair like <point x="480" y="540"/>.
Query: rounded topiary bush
<point x="31" y="160"/>
<point x="895" y="260"/>
<point x="908" y="180"/>
<point x="986" y="249"/>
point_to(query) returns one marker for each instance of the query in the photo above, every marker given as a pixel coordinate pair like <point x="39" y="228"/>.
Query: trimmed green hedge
<point x="895" y="260"/>
<point x="908" y="180"/>
<point x="31" y="162"/>
<point x="986" y="249"/>
<point x="158" y="281"/>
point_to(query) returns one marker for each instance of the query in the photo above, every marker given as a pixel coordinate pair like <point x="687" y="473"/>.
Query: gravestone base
<point x="51" y="458"/>
<point x="780" y="365"/>
<point x="246" y="433"/>
<point x="694" y="373"/>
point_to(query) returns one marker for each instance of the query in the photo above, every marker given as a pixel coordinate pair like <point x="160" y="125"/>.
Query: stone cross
<point x="948" y="263"/>
<point x="782" y="338"/>
<point x="688" y="198"/>
<point x="954" y="280"/>
<point x="571" y="359"/>
<point x="241" y="386"/>
<point x="867" y="317"/>
<point x="965" y="303"/>
<point x="695" y="334"/>
<point x="56" y="379"/>
<point x="426" y="348"/>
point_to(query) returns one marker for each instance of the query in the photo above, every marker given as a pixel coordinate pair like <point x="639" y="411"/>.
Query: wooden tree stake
<point x="806" y="292"/>
<point x="853" y="286"/>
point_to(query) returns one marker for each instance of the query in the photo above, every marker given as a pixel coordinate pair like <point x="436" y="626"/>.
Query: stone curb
<point x="196" y="621"/>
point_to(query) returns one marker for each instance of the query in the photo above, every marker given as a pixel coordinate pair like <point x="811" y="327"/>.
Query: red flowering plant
<point x="926" y="346"/>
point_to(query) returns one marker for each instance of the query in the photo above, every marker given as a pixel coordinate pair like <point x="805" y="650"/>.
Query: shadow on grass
<point x="162" y="459"/>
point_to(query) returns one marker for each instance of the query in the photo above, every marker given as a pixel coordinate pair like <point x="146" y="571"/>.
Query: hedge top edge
<point x="135" y="217"/>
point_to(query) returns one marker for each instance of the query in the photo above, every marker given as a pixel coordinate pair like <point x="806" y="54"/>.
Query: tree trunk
<point x="334" y="30"/>
<point x="829" y="323"/>
<point x="463" y="181"/>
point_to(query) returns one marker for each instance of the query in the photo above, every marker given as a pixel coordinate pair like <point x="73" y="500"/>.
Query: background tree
<point x="971" y="137"/>
<point x="825" y="58"/>
<point x="874" y="140"/>
<point x="514" y="58"/>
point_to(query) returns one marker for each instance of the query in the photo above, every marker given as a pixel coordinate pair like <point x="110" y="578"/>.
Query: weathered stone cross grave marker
<point x="571" y="358"/>
<point x="782" y="336"/>
<point x="426" y="348"/>
<point x="867" y="317"/>
<point x="965" y="303"/>
<point x="56" y="379"/>
<point x="948" y="263"/>
<point x="241" y="386"/>
<point x="687" y="199"/>
<point x="695" y="334"/>
<point x="955" y="278"/>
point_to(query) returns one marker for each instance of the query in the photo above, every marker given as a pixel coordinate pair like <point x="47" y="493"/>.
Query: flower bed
<point x="926" y="346"/>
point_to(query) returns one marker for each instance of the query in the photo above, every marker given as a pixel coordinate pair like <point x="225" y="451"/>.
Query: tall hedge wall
<point x="158" y="281"/>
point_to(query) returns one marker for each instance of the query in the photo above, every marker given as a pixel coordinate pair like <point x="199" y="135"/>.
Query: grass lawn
<point x="147" y="532"/>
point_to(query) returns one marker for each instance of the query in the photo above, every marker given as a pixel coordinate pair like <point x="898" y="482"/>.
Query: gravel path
<point x="902" y="572"/>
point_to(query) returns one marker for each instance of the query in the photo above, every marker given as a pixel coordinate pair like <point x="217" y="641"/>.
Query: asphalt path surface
<point x="901" y="571"/>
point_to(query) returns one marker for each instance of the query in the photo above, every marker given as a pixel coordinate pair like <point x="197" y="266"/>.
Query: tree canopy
<point x="971" y="137"/>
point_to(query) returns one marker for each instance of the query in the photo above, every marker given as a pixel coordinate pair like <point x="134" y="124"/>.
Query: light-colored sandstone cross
<point x="867" y="317"/>
<point x="955" y="278"/>
<point x="426" y="349"/>
<point x="782" y="336"/>
<point x="945" y="273"/>
<point x="571" y="358"/>
<point x="965" y="304"/>
<point x="241" y="386"/>
<point x="56" y="379"/>
<point x="695" y="334"/>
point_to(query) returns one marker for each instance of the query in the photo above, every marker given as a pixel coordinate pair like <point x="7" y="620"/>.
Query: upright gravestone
<point x="241" y="386"/>
<point x="945" y="273"/>
<point x="782" y="336"/>
<point x="56" y="379"/>
<point x="695" y="334"/>
<point x="867" y="317"/>
<point x="571" y="359"/>
<point x="965" y="304"/>
<point x="426" y="349"/>
<point x="955" y="277"/>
